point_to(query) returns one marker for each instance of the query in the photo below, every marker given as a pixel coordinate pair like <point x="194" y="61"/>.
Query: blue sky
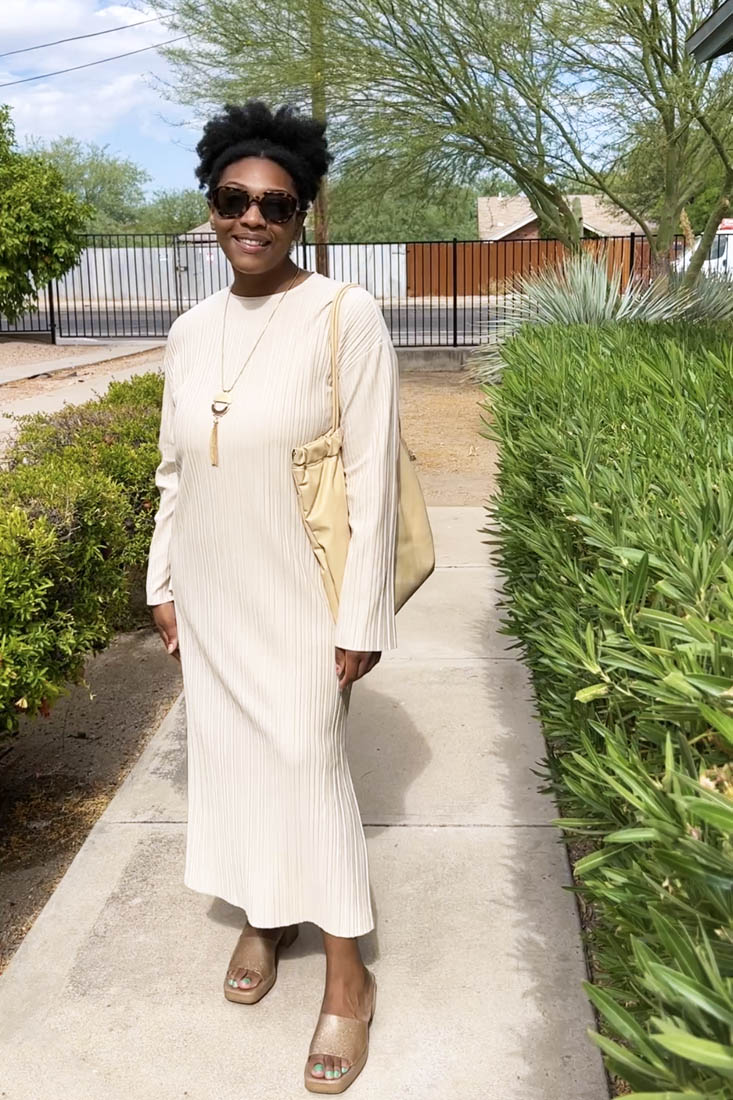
<point x="116" y="104"/>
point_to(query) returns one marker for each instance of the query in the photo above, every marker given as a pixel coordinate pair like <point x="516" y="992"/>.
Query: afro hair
<point x="296" y="142"/>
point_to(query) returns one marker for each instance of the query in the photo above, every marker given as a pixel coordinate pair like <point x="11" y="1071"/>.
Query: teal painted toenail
<point x="318" y="1067"/>
<point x="329" y="1073"/>
<point x="246" y="981"/>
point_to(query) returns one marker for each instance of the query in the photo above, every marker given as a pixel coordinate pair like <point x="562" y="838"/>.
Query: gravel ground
<point x="59" y="775"/>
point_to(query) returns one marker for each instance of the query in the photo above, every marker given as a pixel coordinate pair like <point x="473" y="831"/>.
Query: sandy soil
<point x="441" y="418"/>
<point x="15" y="353"/>
<point x="58" y="776"/>
<point x="59" y="380"/>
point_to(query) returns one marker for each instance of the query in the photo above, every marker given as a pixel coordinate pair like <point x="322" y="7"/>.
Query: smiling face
<point x="254" y="246"/>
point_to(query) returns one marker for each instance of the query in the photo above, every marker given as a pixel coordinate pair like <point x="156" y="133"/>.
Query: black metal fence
<point x="448" y="293"/>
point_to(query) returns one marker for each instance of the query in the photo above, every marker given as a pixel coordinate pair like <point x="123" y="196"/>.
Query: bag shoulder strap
<point x="335" y="309"/>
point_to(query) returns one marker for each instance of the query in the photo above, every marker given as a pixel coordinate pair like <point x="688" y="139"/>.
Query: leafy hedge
<point x="613" y="528"/>
<point x="77" y="503"/>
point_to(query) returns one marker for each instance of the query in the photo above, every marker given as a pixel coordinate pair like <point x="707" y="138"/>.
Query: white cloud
<point x="113" y="103"/>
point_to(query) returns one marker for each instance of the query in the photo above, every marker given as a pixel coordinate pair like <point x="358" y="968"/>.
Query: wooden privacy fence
<point x="475" y="268"/>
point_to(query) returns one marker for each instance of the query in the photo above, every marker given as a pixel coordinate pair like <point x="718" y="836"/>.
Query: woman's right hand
<point x="164" y="617"/>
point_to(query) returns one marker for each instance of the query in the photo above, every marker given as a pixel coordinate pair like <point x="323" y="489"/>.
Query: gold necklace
<point x="222" y="400"/>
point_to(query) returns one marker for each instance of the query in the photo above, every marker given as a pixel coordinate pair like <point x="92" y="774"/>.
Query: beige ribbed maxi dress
<point x="273" y="821"/>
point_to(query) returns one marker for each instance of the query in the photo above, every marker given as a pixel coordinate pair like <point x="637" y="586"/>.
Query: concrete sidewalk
<point x="75" y="393"/>
<point x="90" y="358"/>
<point x="116" y="990"/>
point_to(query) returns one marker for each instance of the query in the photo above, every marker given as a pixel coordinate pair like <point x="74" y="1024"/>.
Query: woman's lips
<point x="250" y="246"/>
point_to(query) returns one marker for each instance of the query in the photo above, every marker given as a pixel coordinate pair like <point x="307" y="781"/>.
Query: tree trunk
<point x="717" y="214"/>
<point x="318" y="108"/>
<point x="320" y="229"/>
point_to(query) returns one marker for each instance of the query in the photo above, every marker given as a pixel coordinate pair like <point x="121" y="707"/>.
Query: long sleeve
<point x="158" y="587"/>
<point x="369" y="394"/>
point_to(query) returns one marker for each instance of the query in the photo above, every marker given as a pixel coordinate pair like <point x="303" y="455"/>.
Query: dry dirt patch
<point x="67" y="378"/>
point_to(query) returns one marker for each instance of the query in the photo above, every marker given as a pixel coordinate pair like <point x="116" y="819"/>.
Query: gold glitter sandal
<point x="256" y="953"/>
<point x="342" y="1037"/>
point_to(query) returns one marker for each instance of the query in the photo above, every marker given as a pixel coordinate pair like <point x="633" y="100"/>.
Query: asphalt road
<point x="414" y="324"/>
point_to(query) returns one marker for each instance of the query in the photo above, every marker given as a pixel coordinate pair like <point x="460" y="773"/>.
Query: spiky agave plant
<point x="712" y="298"/>
<point x="580" y="291"/>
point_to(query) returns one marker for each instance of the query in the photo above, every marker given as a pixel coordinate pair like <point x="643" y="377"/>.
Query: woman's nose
<point x="252" y="216"/>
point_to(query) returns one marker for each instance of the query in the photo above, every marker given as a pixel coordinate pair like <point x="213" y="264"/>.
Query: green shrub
<point x="583" y="291"/>
<point x="613" y="527"/>
<point x="117" y="435"/>
<point x="77" y="506"/>
<point x="63" y="539"/>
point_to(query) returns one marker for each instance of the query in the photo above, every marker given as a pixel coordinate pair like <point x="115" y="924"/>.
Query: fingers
<point x="352" y="664"/>
<point x="164" y="617"/>
<point x="169" y="637"/>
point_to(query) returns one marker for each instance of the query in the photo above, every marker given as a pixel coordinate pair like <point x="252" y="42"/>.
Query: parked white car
<point x="720" y="258"/>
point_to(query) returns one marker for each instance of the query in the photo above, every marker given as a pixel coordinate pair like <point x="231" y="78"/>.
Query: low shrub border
<point x="613" y="528"/>
<point x="77" y="505"/>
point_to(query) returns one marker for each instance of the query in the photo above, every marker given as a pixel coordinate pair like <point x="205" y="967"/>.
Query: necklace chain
<point x="228" y="389"/>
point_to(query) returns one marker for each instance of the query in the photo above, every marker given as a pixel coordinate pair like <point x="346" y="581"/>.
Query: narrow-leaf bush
<point x="582" y="290"/>
<point x="613" y="528"/>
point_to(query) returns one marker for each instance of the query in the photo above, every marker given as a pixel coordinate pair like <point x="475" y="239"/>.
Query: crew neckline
<point x="275" y="294"/>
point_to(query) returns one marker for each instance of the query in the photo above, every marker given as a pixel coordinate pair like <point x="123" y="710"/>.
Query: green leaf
<point x="627" y="1060"/>
<point x="698" y="994"/>
<point x="620" y="1020"/>
<point x="702" y="1051"/>
<point x="667" y="1096"/>
<point x="593" y="861"/>
<point x="718" y="720"/>
<point x="718" y="815"/>
<point x="633" y="835"/>
<point x="587" y="694"/>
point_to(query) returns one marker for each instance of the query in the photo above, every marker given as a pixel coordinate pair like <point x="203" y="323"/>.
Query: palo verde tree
<point x="552" y="94"/>
<point x="636" y="89"/>
<point x="40" y="223"/>
<point x="282" y="52"/>
<point x="434" y="102"/>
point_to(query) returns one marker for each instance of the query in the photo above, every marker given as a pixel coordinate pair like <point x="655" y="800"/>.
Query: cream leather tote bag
<point x="320" y="481"/>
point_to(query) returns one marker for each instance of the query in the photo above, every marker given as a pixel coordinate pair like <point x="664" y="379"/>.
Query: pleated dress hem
<point x="260" y="920"/>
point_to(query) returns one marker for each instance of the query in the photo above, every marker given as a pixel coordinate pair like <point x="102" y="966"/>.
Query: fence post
<point x="455" y="292"/>
<point x="632" y="254"/>
<point x="51" y="311"/>
<point x="304" y="244"/>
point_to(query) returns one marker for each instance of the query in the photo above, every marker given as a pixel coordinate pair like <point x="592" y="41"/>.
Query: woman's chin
<point x="245" y="264"/>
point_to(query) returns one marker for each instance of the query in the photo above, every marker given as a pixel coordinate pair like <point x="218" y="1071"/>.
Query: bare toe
<point x="317" y="1066"/>
<point x="249" y="979"/>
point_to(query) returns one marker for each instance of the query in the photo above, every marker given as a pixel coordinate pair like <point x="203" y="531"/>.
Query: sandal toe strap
<point x="340" y="1036"/>
<point x="254" y="953"/>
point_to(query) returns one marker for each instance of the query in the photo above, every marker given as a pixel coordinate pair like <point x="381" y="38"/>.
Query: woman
<point x="235" y="587"/>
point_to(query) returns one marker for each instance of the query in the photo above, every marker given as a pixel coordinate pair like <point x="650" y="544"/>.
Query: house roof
<point x="499" y="217"/>
<point x="206" y="227"/>
<point x="714" y="37"/>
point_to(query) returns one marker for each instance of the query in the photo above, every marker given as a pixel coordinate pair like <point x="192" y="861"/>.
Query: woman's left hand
<point x="352" y="664"/>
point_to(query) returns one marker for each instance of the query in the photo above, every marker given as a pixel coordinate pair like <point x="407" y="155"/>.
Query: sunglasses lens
<point x="278" y="208"/>
<point x="230" y="202"/>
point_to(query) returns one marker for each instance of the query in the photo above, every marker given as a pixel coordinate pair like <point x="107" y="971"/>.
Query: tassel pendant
<point x="214" y="443"/>
<point x="219" y="406"/>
